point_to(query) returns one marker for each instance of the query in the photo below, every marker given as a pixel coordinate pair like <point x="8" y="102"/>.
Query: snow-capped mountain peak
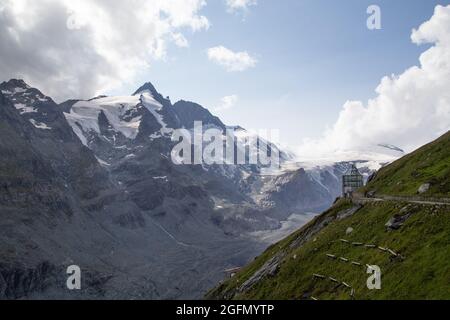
<point x="22" y="94"/>
<point x="30" y="102"/>
<point x="123" y="113"/>
<point x="146" y="87"/>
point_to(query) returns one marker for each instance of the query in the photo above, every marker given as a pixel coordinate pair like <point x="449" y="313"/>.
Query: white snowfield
<point x="24" y="109"/>
<point x="119" y="110"/>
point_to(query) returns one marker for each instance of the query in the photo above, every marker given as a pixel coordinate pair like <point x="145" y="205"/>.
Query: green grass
<point x="283" y="245"/>
<point x="429" y="164"/>
<point x="422" y="271"/>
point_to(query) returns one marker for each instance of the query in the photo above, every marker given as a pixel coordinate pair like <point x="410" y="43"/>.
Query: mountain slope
<point x="133" y="232"/>
<point x="91" y="182"/>
<point x="409" y="241"/>
<point x="428" y="165"/>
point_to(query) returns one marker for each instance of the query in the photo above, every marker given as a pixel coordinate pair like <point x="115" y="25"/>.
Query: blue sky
<point x="305" y="67"/>
<point x="313" y="56"/>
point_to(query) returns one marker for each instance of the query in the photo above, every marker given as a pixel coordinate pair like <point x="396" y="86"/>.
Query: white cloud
<point x="410" y="109"/>
<point x="235" y="5"/>
<point x="231" y="61"/>
<point x="81" y="48"/>
<point x="180" y="40"/>
<point x="227" y="102"/>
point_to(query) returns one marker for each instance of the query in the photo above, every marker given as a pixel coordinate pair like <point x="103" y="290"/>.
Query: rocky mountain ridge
<point x="92" y="183"/>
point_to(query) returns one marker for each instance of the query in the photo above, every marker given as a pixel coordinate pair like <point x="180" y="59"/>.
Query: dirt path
<point x="362" y="200"/>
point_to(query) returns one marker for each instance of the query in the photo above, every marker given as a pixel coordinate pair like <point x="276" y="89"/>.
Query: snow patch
<point x="121" y="112"/>
<point x="102" y="162"/>
<point x="39" y="125"/>
<point x="24" y="109"/>
<point x="19" y="90"/>
<point x="118" y="111"/>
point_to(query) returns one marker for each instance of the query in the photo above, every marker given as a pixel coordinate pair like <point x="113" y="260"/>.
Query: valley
<point x="396" y="225"/>
<point x="92" y="183"/>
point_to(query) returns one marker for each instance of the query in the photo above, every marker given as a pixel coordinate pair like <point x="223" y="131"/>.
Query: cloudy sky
<point x="310" y="68"/>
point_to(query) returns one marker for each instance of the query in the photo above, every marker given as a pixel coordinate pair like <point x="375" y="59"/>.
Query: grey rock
<point x="399" y="219"/>
<point x="424" y="188"/>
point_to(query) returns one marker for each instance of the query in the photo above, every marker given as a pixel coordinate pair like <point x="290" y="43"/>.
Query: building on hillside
<point x="352" y="180"/>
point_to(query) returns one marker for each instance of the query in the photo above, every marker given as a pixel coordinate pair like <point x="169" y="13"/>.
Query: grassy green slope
<point x="420" y="271"/>
<point x="429" y="164"/>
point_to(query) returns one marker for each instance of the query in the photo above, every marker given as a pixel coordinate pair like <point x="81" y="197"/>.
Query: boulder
<point x="424" y="188"/>
<point x="397" y="221"/>
<point x="370" y="194"/>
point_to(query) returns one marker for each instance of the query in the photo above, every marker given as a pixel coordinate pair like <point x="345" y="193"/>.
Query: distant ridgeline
<point x="402" y="227"/>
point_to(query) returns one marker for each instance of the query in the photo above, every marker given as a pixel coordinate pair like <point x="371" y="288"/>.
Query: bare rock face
<point x="269" y="269"/>
<point x="16" y="282"/>
<point x="137" y="226"/>
<point x="399" y="219"/>
<point x="396" y="222"/>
